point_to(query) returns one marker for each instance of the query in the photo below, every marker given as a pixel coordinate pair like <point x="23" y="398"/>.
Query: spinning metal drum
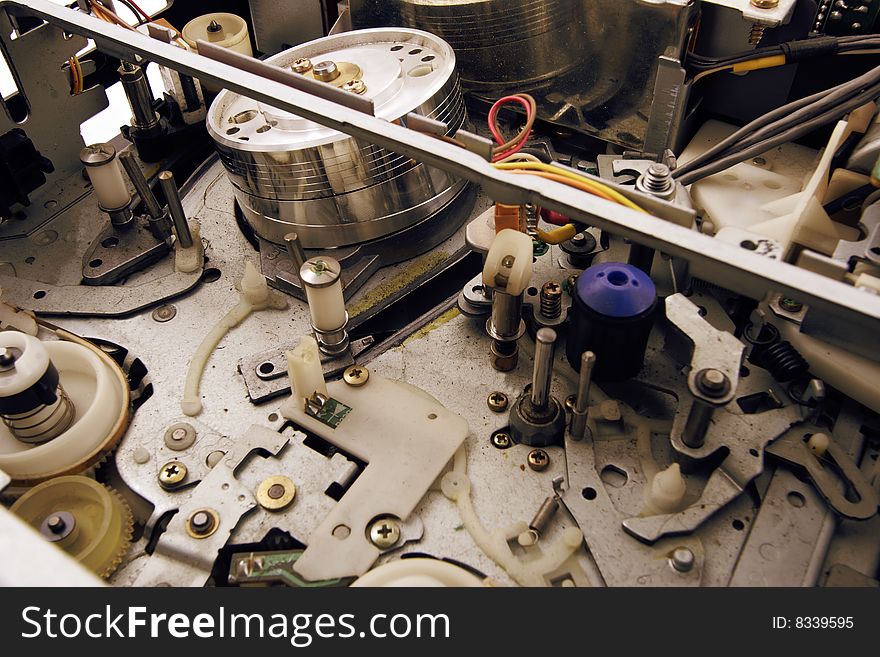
<point x="290" y="174"/>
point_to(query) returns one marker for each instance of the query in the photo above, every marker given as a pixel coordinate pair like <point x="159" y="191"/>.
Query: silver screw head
<point x="385" y="533"/>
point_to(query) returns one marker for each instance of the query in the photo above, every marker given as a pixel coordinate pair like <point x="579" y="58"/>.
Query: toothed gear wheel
<point x="89" y="521"/>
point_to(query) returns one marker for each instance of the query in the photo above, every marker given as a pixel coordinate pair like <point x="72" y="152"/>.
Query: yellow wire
<point x="571" y="175"/>
<point x="557" y="235"/>
<point x="770" y="61"/>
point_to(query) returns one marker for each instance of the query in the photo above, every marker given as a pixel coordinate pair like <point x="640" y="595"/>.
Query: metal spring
<point x="551" y="300"/>
<point x="44" y="422"/>
<point x="531" y="220"/>
<point x="756" y="34"/>
<point x="784" y="362"/>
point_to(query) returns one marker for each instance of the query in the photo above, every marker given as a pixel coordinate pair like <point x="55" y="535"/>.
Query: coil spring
<point x="44" y="422"/>
<point x="784" y="362"/>
<point x="551" y="300"/>
<point x="756" y="34"/>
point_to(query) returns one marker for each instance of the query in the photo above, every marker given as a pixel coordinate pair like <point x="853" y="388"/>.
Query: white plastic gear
<point x="104" y="521"/>
<point x="103" y="414"/>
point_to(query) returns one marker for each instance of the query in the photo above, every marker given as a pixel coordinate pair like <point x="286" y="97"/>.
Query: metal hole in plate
<point x="264" y="128"/>
<point x="420" y="71"/>
<point x="244" y="138"/>
<point x="415" y="51"/>
<point x="110" y="242"/>
<point x="396" y="48"/>
<point x="39" y="294"/>
<point x="796" y="499"/>
<point x="30" y="260"/>
<point x="273" y="417"/>
<point x="211" y="275"/>
<point x="97" y="262"/>
<point x="614" y="476"/>
<point x="266" y="368"/>
<point x="243" y="117"/>
<point x="432" y="416"/>
<point x="532" y="291"/>
<point x="232" y="131"/>
<point x="589" y="493"/>
<point x="428" y="58"/>
<point x="341" y="532"/>
<point x="738" y="525"/>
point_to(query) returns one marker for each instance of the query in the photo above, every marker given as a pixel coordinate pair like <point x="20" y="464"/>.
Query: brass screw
<point x="765" y="4"/>
<point x="501" y="440"/>
<point x="570" y="402"/>
<point x="538" y="460"/>
<point x="172" y="474"/>
<point x="302" y="65"/>
<point x="385" y="533"/>
<point x="355" y="86"/>
<point x="497" y="402"/>
<point x="356" y="375"/>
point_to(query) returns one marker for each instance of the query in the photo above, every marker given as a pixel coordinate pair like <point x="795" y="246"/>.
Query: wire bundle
<point x="790" y="52"/>
<point x="508" y="147"/>
<point x="782" y="125"/>
<point x="77" y="79"/>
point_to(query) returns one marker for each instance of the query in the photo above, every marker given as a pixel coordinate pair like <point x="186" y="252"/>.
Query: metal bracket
<point x="867" y="249"/>
<point x="728" y="481"/>
<point x="98" y="301"/>
<point x="794" y="451"/>
<point x="117" y="253"/>
<point x="588" y="502"/>
<point x="180" y="558"/>
<point x="743" y="437"/>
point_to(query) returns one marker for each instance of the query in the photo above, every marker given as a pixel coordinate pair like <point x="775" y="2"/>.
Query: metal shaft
<point x="140" y="184"/>
<point x="699" y="417"/>
<point x="506" y="315"/>
<point x="581" y="408"/>
<point x="295" y="251"/>
<point x="542" y="374"/>
<point x="175" y="208"/>
<point x="139" y="95"/>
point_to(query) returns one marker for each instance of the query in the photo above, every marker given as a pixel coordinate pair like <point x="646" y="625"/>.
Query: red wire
<point x="493" y="116"/>
<point x="143" y="13"/>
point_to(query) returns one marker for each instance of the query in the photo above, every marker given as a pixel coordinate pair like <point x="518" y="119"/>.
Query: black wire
<point x="822" y="45"/>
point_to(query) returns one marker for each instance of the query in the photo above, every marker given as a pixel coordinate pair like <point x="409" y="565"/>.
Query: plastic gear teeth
<point x="104" y="520"/>
<point x="125" y="535"/>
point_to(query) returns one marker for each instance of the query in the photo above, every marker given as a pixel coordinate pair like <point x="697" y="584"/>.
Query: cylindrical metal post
<point x="175" y="208"/>
<point x="542" y="374"/>
<point x="140" y="184"/>
<point x="582" y="404"/>
<point x="137" y="90"/>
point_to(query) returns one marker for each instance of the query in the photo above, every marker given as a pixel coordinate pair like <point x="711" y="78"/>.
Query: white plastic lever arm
<point x="255" y="295"/>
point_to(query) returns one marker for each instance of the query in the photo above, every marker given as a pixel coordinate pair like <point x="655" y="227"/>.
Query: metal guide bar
<point x="734" y="268"/>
